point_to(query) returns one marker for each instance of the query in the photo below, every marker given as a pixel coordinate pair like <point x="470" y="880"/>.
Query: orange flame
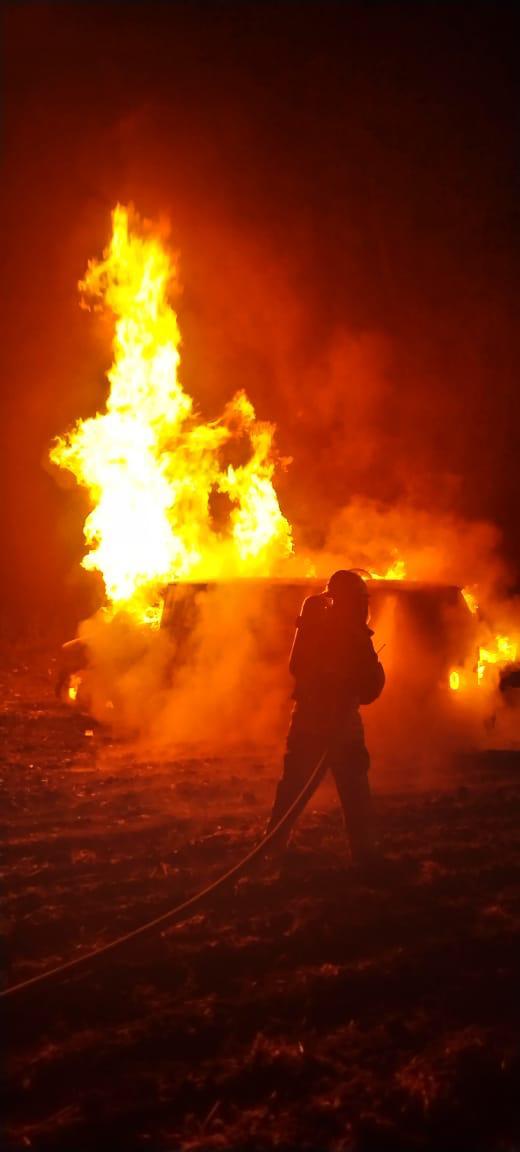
<point x="150" y="465"/>
<point x="494" y="651"/>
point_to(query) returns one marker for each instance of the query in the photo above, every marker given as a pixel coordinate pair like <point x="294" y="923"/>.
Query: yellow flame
<point x="73" y="689"/>
<point x="150" y="465"/>
<point x="497" y="651"/>
<point x="395" y="571"/>
<point x="501" y="651"/>
<point x="471" y="600"/>
<point x="454" y="680"/>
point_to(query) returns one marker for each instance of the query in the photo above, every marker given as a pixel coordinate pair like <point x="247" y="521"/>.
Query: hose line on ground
<point x="180" y="910"/>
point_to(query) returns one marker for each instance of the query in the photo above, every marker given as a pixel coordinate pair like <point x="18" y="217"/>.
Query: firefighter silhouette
<point x="335" y="670"/>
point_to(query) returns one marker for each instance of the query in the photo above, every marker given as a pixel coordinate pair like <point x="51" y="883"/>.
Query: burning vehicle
<point x="229" y="641"/>
<point x="437" y="616"/>
<point x="201" y="581"/>
<point x="238" y="634"/>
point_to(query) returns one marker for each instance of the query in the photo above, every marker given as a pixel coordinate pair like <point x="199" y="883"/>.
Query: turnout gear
<point x="335" y="670"/>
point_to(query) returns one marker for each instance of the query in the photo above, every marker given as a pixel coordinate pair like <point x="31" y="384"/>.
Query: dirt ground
<point x="308" y="1007"/>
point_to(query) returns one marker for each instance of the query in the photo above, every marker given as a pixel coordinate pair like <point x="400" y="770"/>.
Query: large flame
<point x="150" y="465"/>
<point x="168" y="499"/>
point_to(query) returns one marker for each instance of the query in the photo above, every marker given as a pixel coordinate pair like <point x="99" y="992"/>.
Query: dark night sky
<point x="342" y="182"/>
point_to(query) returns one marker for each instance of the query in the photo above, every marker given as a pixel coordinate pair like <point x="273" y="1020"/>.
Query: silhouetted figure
<point x="335" y="669"/>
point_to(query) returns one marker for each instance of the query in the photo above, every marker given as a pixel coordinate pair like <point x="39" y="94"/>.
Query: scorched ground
<point x="308" y="1008"/>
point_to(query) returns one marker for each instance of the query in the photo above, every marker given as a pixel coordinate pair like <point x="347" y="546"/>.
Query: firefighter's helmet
<point x="346" y="586"/>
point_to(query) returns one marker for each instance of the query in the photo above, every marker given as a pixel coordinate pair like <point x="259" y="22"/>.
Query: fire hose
<point x="173" y="915"/>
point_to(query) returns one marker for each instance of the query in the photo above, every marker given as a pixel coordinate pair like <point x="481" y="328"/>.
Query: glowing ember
<point x="150" y="465"/>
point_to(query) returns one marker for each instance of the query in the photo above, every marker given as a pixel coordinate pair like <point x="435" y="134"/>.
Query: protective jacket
<point x="333" y="661"/>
